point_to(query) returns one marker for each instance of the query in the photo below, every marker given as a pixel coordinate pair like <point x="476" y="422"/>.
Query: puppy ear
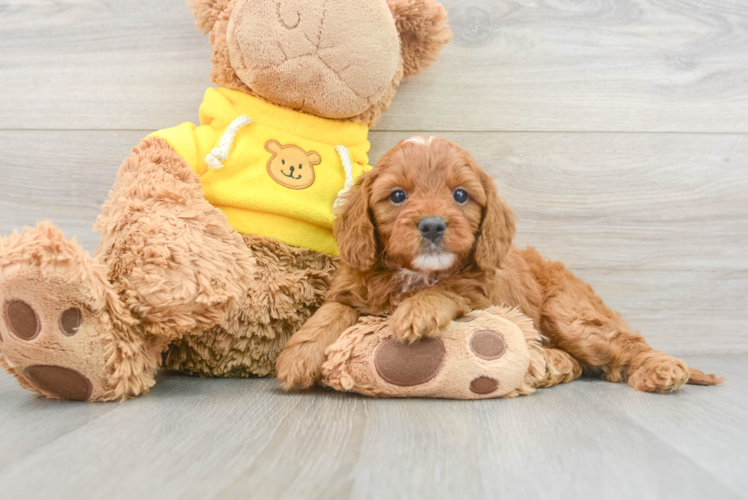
<point x="497" y="228"/>
<point x="206" y="12"/>
<point x="353" y="228"/>
<point x="423" y="29"/>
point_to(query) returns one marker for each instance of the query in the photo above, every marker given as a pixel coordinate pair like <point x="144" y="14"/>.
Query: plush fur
<point x="381" y="245"/>
<point x="172" y="283"/>
<point x="290" y="284"/>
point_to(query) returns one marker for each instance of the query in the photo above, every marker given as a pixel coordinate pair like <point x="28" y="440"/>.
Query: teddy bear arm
<point x="172" y="257"/>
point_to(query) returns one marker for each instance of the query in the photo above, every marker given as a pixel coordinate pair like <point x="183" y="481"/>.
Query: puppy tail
<point x="697" y="377"/>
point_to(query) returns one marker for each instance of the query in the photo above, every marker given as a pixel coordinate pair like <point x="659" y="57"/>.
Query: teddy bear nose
<point x="432" y="228"/>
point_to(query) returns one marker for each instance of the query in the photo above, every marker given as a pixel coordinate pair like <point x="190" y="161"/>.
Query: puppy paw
<point x="299" y="366"/>
<point x="413" y="320"/>
<point x="661" y="374"/>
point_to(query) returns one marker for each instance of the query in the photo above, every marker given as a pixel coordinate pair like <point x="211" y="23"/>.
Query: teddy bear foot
<point x="59" y="332"/>
<point x="483" y="355"/>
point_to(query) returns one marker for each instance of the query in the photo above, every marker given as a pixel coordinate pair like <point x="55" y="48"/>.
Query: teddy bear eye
<point x="300" y="167"/>
<point x="398" y="197"/>
<point x="283" y="161"/>
<point x="461" y="196"/>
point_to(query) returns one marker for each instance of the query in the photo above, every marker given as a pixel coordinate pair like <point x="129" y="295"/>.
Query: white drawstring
<point x="345" y="157"/>
<point x="220" y="154"/>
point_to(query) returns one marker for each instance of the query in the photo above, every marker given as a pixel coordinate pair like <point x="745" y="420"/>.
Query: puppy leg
<point x="300" y="363"/>
<point x="578" y="322"/>
<point x="560" y="368"/>
<point x="425" y="313"/>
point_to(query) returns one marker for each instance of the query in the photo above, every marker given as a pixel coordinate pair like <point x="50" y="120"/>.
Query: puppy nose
<point x="432" y="228"/>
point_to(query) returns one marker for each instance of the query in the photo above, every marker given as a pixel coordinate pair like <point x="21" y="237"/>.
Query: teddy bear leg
<point x="172" y="257"/>
<point x="290" y="285"/>
<point x="169" y="264"/>
<point x="64" y="333"/>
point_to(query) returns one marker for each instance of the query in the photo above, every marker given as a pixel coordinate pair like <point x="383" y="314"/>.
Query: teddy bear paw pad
<point x="62" y="382"/>
<point x="407" y="365"/>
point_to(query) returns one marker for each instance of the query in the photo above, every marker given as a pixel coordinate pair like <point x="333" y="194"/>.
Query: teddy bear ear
<point x="314" y="158"/>
<point x="273" y="147"/>
<point x="423" y="29"/>
<point x="206" y="12"/>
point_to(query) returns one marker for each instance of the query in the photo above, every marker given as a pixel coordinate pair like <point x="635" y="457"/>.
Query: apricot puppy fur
<point x="425" y="237"/>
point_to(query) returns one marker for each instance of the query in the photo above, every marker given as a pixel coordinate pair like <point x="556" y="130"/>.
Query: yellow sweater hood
<point x="274" y="172"/>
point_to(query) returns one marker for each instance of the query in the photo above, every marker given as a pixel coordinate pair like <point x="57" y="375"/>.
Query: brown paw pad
<point x="407" y="365"/>
<point x="488" y="344"/>
<point x="64" y="383"/>
<point x="484" y="385"/>
<point x="22" y="320"/>
<point x="70" y="321"/>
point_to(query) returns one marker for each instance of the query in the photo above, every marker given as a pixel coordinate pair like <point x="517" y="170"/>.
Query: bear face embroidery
<point x="291" y="166"/>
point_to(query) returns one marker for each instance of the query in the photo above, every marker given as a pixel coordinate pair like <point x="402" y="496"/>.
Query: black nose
<point x="432" y="228"/>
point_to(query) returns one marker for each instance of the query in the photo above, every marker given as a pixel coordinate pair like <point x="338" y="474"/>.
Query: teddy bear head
<point x="339" y="59"/>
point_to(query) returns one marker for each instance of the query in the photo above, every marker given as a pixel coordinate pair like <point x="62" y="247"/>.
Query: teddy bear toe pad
<point x="22" y="319"/>
<point x="479" y="356"/>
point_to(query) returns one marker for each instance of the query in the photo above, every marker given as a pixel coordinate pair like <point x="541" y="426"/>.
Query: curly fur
<point x="378" y="240"/>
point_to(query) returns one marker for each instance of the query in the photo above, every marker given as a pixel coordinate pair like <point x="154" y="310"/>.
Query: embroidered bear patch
<point x="291" y="166"/>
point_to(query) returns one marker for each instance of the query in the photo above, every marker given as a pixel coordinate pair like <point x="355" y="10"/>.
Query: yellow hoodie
<point x="274" y="172"/>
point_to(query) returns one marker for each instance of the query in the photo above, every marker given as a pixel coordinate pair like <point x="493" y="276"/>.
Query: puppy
<point x="425" y="236"/>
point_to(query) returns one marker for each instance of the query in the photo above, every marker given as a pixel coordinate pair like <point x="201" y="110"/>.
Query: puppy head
<point x="427" y="206"/>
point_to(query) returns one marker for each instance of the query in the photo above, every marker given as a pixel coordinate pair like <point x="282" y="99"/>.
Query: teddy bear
<point x="491" y="353"/>
<point x="216" y="239"/>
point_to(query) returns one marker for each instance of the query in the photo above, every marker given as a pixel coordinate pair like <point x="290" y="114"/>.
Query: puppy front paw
<point x="413" y="320"/>
<point x="299" y="366"/>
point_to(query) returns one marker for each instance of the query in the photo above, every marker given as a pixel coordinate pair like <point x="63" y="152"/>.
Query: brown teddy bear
<point x="217" y="239"/>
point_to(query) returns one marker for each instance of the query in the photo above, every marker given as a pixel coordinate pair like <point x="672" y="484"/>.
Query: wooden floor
<point x="206" y="439"/>
<point x="618" y="131"/>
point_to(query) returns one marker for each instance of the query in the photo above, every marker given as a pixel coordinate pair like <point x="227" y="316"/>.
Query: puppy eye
<point x="461" y="196"/>
<point x="398" y="197"/>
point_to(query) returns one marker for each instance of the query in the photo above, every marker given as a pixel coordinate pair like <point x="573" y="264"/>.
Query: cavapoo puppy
<point x="425" y="236"/>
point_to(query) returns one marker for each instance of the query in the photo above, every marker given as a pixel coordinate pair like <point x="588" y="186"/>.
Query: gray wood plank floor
<point x="205" y="439"/>
<point x="618" y="131"/>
